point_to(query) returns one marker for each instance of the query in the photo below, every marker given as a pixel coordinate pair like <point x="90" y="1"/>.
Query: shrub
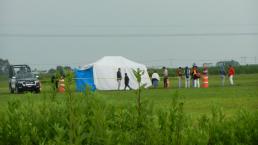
<point x="86" y="119"/>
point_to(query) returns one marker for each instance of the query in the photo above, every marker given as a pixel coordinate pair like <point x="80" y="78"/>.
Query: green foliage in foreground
<point x="85" y="119"/>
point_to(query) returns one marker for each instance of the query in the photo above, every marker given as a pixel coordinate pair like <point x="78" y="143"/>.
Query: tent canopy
<point x="103" y="73"/>
<point x="83" y="78"/>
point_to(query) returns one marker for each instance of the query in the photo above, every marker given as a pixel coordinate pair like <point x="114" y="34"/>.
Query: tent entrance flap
<point x="83" y="78"/>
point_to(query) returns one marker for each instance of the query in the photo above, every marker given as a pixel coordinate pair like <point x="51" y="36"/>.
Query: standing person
<point x="155" y="79"/>
<point x="54" y="81"/>
<point x="192" y="74"/>
<point x="205" y="79"/>
<point x="231" y="73"/>
<point x="205" y="69"/>
<point x="119" y="78"/>
<point x="222" y="73"/>
<point x="165" y="76"/>
<point x="127" y="80"/>
<point x="196" y="77"/>
<point x="187" y="77"/>
<point x="179" y="73"/>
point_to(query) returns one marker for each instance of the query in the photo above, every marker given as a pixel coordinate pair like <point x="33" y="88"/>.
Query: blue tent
<point x="83" y="78"/>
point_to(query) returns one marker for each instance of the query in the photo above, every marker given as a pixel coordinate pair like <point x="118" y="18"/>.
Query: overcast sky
<point x="44" y="33"/>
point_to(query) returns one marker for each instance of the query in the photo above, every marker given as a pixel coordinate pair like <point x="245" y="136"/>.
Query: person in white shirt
<point x="155" y="79"/>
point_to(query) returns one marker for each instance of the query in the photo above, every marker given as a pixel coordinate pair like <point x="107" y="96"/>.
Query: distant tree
<point x="4" y="66"/>
<point x="52" y="71"/>
<point x="227" y="63"/>
<point x="68" y="68"/>
<point x="60" y="70"/>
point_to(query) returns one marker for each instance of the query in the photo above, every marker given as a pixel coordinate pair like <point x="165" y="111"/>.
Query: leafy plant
<point x="138" y="75"/>
<point x="76" y="119"/>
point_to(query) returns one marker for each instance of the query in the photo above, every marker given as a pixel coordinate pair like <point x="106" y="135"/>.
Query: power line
<point x="127" y="35"/>
<point x="125" y="26"/>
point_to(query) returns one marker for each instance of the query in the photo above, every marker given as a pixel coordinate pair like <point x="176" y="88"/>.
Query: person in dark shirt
<point x="222" y="73"/>
<point x="119" y="78"/>
<point x="165" y="76"/>
<point x="127" y="80"/>
<point x="54" y="80"/>
<point x="187" y="77"/>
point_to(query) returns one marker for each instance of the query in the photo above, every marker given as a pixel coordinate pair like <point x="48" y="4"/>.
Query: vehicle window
<point x="24" y="75"/>
<point x="20" y="71"/>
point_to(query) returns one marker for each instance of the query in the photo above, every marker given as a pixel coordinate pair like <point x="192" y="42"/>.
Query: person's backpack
<point x="187" y="73"/>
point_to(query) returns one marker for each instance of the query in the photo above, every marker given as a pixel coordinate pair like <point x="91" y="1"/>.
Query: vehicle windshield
<point x="24" y="75"/>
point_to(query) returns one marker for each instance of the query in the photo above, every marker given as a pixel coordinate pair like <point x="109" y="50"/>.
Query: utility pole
<point x="243" y="60"/>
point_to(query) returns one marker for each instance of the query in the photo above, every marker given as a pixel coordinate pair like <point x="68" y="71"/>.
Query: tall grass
<point x="86" y="119"/>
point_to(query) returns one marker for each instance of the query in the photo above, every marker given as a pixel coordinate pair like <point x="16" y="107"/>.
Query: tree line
<point x="4" y="66"/>
<point x="241" y="69"/>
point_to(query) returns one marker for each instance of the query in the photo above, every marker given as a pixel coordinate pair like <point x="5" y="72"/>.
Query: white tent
<point x="104" y="72"/>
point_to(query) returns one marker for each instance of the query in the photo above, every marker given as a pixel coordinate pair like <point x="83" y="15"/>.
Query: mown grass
<point x="197" y="101"/>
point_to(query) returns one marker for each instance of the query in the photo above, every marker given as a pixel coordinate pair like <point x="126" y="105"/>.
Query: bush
<point x="86" y="119"/>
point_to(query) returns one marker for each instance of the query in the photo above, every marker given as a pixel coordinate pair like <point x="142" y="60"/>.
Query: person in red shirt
<point x="196" y="77"/>
<point x="231" y="73"/>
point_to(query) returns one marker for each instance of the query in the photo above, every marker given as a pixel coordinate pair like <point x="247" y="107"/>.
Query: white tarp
<point x="105" y="70"/>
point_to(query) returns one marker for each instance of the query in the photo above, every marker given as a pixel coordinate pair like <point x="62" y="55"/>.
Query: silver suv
<point x="21" y="79"/>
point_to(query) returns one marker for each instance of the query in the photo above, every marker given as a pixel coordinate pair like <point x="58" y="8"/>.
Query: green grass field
<point x="196" y="101"/>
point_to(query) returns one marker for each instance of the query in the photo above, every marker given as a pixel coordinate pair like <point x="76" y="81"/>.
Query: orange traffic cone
<point x="61" y="86"/>
<point x="205" y="81"/>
